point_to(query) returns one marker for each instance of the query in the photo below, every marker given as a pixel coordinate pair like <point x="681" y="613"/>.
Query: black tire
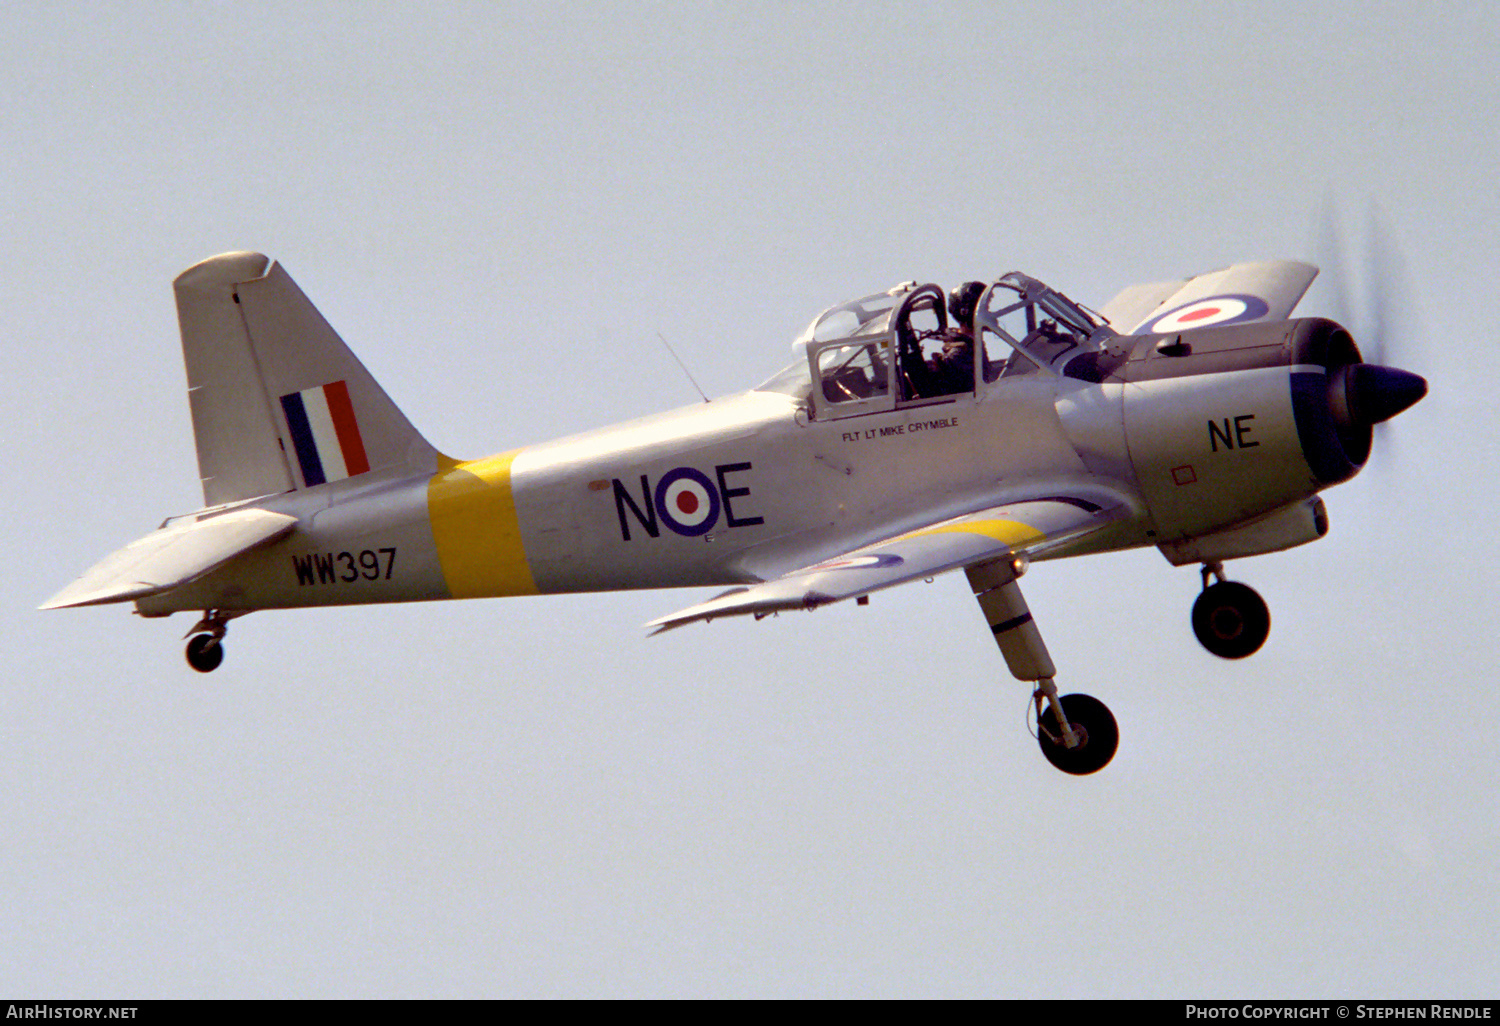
<point x="1231" y="620"/>
<point x="204" y="653"/>
<point x="1096" y="722"/>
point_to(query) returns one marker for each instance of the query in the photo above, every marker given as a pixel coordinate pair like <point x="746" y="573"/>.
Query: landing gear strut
<point x="1077" y="733"/>
<point x="206" y="649"/>
<point x="1230" y="619"/>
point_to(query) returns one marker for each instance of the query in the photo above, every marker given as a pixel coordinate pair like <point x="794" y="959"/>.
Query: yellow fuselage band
<point x="476" y="529"/>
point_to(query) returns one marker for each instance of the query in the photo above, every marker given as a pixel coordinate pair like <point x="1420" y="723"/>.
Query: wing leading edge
<point x="1021" y="528"/>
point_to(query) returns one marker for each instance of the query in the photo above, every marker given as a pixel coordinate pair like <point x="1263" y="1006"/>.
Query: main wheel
<point x="1231" y="620"/>
<point x="204" y="653"/>
<point x="1087" y="716"/>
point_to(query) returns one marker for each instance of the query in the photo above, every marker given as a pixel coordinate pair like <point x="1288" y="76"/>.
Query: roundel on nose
<point x="687" y="501"/>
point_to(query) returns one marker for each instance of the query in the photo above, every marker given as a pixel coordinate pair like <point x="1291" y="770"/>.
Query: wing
<point x="172" y="556"/>
<point x="1022" y="528"/>
<point x="1265" y="290"/>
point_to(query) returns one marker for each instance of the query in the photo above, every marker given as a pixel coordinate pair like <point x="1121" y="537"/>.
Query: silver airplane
<point x="916" y="432"/>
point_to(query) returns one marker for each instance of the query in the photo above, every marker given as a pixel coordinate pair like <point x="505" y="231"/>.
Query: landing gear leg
<point x="1077" y="734"/>
<point x="206" y="649"/>
<point x="1230" y="619"/>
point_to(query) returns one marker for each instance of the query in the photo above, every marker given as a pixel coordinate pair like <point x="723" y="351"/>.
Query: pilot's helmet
<point x="963" y="299"/>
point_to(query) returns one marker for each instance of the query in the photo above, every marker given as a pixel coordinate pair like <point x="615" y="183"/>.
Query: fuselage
<point x="1190" y="440"/>
<point x="721" y="493"/>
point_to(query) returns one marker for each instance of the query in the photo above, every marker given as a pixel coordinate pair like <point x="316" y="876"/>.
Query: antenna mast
<point x="682" y="365"/>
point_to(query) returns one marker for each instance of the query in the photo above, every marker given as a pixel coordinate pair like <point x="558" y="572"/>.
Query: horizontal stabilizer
<point x="172" y="556"/>
<point x="1019" y="528"/>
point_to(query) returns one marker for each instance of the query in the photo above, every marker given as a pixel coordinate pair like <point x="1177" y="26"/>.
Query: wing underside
<point x="1028" y="528"/>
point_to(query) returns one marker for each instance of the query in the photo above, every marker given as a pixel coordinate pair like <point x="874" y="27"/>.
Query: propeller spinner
<point x="1362" y="394"/>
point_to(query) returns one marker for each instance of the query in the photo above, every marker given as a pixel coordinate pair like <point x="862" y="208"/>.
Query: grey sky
<point x="499" y="206"/>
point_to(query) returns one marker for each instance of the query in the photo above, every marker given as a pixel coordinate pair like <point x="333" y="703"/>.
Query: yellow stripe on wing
<point x="1011" y="532"/>
<point x="477" y="531"/>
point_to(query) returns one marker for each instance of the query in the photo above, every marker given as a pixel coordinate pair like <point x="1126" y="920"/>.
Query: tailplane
<point x="279" y="402"/>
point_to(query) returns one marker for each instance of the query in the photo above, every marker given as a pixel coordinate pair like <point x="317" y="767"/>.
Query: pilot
<point x="953" y="366"/>
<point x="961" y="304"/>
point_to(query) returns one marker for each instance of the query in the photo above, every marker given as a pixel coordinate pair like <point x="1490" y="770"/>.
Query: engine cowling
<point x="1224" y="426"/>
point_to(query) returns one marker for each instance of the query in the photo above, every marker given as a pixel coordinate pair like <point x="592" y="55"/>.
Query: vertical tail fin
<point x="279" y="402"/>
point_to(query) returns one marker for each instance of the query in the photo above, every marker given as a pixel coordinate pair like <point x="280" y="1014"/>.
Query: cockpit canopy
<point x="915" y="345"/>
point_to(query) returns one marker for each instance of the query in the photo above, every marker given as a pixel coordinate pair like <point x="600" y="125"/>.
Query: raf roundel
<point x="687" y="501"/>
<point x="1231" y="308"/>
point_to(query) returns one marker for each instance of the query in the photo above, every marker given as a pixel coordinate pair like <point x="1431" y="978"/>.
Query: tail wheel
<point x="1090" y="719"/>
<point x="1231" y="620"/>
<point x="205" y="653"/>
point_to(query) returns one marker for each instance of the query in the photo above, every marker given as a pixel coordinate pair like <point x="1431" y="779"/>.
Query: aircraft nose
<point x="1367" y="393"/>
